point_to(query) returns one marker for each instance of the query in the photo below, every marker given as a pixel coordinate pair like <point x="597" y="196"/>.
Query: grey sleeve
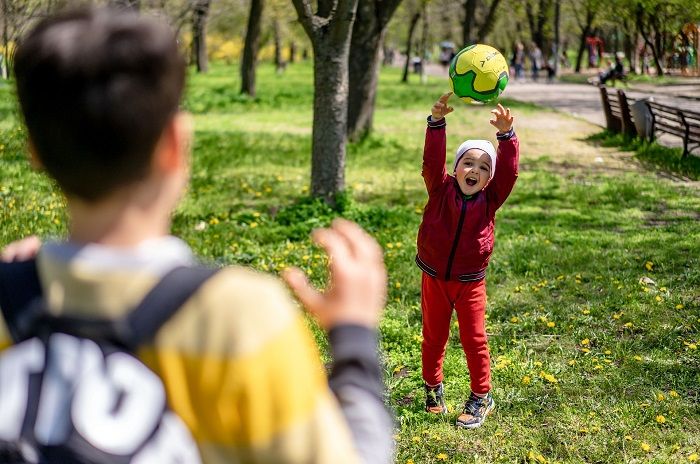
<point x="356" y="380"/>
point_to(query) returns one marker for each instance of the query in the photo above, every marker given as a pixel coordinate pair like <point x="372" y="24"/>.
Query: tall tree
<point x="367" y="37"/>
<point x="585" y="13"/>
<point x="200" y="13"/>
<point x="250" y="48"/>
<point x="538" y="19"/>
<point x="473" y="30"/>
<point x="329" y="30"/>
<point x="409" y="43"/>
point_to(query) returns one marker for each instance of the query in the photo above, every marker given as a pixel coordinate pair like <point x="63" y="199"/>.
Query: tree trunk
<point x="409" y="43"/>
<point x="469" y="22"/>
<point x="329" y="123"/>
<point x="557" y="36"/>
<point x="292" y="51"/>
<point x="250" y="49"/>
<point x="367" y="37"/>
<point x="279" y="63"/>
<point x="645" y="36"/>
<point x="6" y="72"/>
<point x="329" y="29"/>
<point x="489" y="22"/>
<point x="199" y="35"/>
<point x="582" y="48"/>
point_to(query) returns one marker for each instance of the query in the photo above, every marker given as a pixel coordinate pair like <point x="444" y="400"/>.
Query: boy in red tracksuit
<point x="455" y="241"/>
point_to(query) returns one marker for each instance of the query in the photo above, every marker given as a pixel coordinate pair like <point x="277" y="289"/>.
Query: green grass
<point x="593" y="309"/>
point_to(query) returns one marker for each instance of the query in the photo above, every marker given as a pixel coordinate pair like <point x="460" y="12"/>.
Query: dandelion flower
<point x="526" y="380"/>
<point x="572" y="362"/>
<point x="673" y="394"/>
<point x="679" y="306"/>
<point x="693" y="457"/>
<point x="660" y="419"/>
<point x="410" y="461"/>
<point x="550" y="324"/>
<point x="637" y="358"/>
<point x="441" y="457"/>
<point x="628" y="437"/>
<point x="649" y="265"/>
<point x="645" y="446"/>
<point x="415" y="439"/>
<point x="660" y="397"/>
<point x="585" y="342"/>
<point x="514" y="319"/>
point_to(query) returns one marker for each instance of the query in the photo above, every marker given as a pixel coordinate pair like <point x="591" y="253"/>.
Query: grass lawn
<point x="594" y="285"/>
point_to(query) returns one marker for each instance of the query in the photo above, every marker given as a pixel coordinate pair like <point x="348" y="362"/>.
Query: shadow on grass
<point x="652" y="156"/>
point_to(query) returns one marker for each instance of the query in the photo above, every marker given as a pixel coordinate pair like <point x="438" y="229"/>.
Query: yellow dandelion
<point x="637" y="358"/>
<point x="649" y="265"/>
<point x="658" y="298"/>
<point x="597" y="367"/>
<point x="673" y="394"/>
<point x="586" y="311"/>
<point x="526" y="380"/>
<point x="628" y="437"/>
<point x="628" y="324"/>
<point x="645" y="447"/>
<point x="538" y="364"/>
<point x="253" y="225"/>
<point x="390" y="245"/>
<point x="550" y="324"/>
<point x="410" y="461"/>
<point x="692" y="346"/>
<point x="660" y="419"/>
<point x="397" y="285"/>
<point x="585" y="350"/>
<point x="418" y="338"/>
<point x="514" y="319"/>
<point x="679" y="306"/>
<point x="693" y="457"/>
<point x="585" y="342"/>
<point x="415" y="439"/>
<point x="572" y="362"/>
<point x="660" y="397"/>
<point x="441" y="457"/>
<point x="607" y="352"/>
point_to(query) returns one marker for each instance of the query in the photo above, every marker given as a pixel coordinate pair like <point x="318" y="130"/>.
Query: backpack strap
<point x="161" y="303"/>
<point x="19" y="285"/>
<point x="130" y="332"/>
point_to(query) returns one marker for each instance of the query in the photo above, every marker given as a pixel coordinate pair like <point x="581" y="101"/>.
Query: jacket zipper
<point x="456" y="239"/>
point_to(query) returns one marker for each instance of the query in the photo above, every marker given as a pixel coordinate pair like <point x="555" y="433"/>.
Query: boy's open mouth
<point x="470" y="182"/>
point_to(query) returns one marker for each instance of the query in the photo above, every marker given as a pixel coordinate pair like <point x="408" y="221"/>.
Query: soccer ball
<point x="478" y="74"/>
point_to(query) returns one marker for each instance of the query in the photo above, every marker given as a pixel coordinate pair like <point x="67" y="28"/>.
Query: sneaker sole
<point x="478" y="424"/>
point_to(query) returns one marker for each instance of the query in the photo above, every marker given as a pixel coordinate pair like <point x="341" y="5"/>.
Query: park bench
<point x="673" y="121"/>
<point x="616" y="106"/>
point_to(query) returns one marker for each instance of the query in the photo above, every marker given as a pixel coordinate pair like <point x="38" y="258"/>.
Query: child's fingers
<point x="446" y="96"/>
<point x="449" y="109"/>
<point x="307" y="295"/>
<point x="508" y="114"/>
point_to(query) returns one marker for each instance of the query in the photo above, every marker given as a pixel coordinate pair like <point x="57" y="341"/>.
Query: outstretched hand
<point x="503" y="120"/>
<point x="440" y="108"/>
<point x="356" y="291"/>
<point x="21" y="250"/>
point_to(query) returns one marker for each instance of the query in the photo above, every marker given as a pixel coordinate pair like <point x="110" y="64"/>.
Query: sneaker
<point x="475" y="411"/>
<point x="435" y="399"/>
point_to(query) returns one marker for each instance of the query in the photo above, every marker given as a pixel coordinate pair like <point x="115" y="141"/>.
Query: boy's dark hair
<point x="97" y="88"/>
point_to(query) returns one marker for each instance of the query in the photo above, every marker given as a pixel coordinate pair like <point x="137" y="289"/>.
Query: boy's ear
<point x="173" y="148"/>
<point x="34" y="160"/>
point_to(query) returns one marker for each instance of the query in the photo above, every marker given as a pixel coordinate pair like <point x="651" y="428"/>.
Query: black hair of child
<point x="97" y="87"/>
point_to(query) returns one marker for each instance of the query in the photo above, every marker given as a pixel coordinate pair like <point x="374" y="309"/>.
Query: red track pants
<point x="438" y="298"/>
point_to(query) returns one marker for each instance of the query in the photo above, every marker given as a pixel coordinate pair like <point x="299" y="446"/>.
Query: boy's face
<point x="473" y="171"/>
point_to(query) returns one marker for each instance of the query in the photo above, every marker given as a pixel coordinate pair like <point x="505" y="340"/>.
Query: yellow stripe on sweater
<point x="244" y="400"/>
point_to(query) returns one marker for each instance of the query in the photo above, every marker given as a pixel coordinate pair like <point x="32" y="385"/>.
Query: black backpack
<point x="71" y="389"/>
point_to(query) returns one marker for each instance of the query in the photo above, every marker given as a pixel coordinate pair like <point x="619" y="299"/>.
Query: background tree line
<point x="348" y="39"/>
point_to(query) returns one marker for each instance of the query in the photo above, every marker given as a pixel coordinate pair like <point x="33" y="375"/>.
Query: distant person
<point x="535" y="60"/>
<point x="518" y="60"/>
<point x="612" y="72"/>
<point x="455" y="242"/>
<point x="100" y="91"/>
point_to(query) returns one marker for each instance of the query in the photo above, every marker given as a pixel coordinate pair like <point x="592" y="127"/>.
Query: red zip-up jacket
<point x="456" y="236"/>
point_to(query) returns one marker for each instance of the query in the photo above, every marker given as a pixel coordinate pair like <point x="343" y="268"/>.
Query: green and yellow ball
<point x="478" y="74"/>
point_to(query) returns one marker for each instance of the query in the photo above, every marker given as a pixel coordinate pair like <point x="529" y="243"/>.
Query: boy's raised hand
<point x="356" y="291"/>
<point x="503" y="119"/>
<point x="440" y="108"/>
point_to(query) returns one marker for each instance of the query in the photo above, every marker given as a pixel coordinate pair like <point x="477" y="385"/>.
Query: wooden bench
<point x="673" y="121"/>
<point x="616" y="107"/>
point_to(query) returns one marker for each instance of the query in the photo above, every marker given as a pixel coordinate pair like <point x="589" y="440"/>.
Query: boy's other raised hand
<point x="440" y="108"/>
<point x="356" y="291"/>
<point x="503" y="120"/>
